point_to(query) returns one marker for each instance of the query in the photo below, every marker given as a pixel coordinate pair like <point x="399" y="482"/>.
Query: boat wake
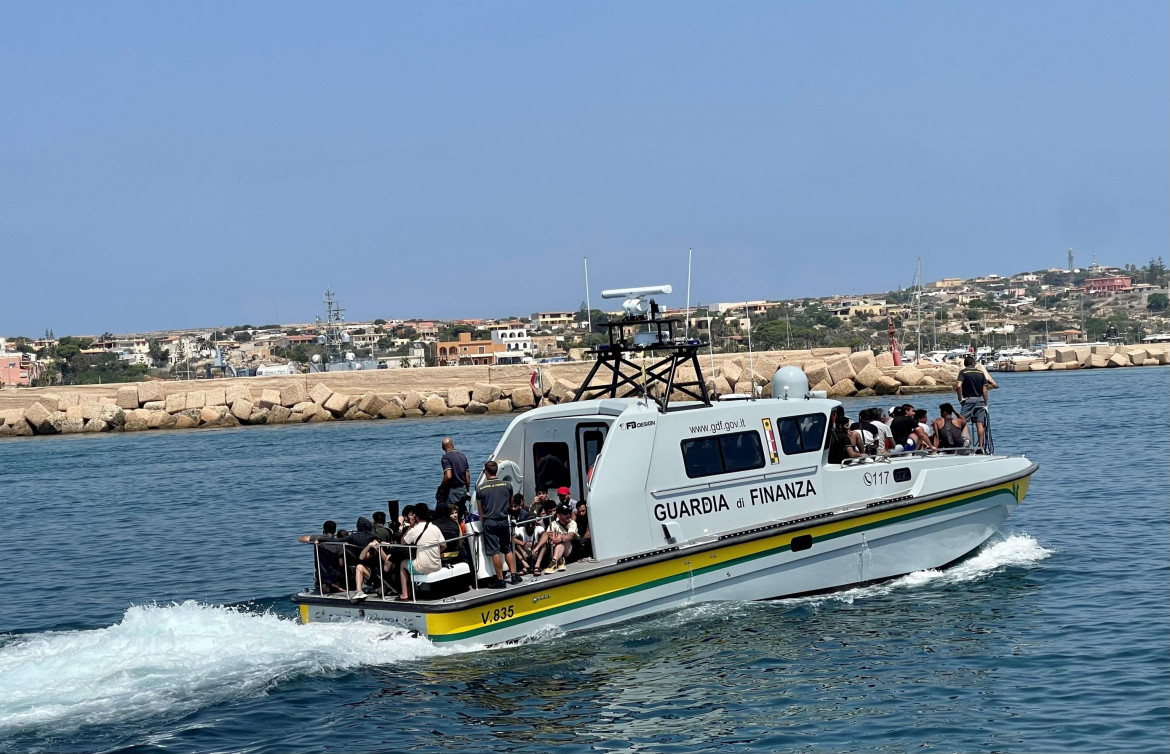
<point x="1012" y="551"/>
<point x="176" y="659"/>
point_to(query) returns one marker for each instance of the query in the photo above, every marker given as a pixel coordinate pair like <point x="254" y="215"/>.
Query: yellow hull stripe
<point x="468" y="623"/>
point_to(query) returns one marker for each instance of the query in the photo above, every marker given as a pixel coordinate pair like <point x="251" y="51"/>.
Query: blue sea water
<point x="145" y="583"/>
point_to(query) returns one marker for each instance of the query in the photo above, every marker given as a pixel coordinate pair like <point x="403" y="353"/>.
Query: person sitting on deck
<point x="924" y="427"/>
<point x="565" y="497"/>
<point x="524" y="539"/>
<point x="538" y="501"/>
<point x="584" y="548"/>
<point x="841" y="441"/>
<point x="561" y="534"/>
<point x="870" y="438"/>
<point x="428" y="540"/>
<point x="360" y="556"/>
<point x="328" y="561"/>
<point x="381" y="532"/>
<point x="452" y="550"/>
<point x="903" y="427"/>
<point x="948" y="428"/>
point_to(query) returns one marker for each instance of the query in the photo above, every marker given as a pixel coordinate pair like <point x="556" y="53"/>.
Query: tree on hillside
<point x="1157" y="302"/>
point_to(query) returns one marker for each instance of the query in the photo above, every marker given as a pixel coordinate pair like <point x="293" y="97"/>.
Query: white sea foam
<point x="1013" y="550"/>
<point x="175" y="659"/>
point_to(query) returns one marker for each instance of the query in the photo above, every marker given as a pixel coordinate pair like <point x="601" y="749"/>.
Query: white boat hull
<point x="892" y="542"/>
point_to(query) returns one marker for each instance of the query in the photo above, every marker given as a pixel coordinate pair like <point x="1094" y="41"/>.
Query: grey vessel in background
<point x="336" y="342"/>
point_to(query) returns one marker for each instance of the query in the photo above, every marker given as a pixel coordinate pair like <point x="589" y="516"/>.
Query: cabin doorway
<point x="561" y="453"/>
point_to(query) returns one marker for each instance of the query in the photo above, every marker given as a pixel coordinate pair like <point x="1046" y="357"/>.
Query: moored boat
<point x="696" y="499"/>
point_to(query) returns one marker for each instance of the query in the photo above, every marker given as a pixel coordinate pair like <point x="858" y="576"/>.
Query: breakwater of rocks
<point x="413" y="393"/>
<point x="1094" y="357"/>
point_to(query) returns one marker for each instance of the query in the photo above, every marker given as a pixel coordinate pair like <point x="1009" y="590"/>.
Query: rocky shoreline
<point x="448" y="391"/>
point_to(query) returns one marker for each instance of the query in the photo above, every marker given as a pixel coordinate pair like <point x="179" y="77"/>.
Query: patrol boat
<point x="693" y="498"/>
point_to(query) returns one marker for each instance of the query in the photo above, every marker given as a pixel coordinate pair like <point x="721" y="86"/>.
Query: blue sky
<point x="168" y="165"/>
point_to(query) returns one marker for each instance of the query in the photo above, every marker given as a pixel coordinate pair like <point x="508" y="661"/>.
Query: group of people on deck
<point x="383" y="555"/>
<point x="904" y="428"/>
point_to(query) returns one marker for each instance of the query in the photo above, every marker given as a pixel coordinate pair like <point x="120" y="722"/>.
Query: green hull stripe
<point x="717" y="566"/>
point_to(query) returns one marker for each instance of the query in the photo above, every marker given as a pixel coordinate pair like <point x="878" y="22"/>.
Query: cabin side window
<point x="551" y="463"/>
<point x="802" y="434"/>
<point x="706" y="456"/>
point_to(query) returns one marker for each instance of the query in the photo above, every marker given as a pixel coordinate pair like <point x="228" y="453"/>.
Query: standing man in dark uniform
<point x="456" y="476"/>
<point x="971" y="390"/>
<point x="493" y="497"/>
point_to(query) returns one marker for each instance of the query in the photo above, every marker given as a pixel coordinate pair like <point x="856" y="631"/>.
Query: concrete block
<point x="215" y="396"/>
<point x="1118" y="360"/>
<point x="269" y="397"/>
<point x="817" y="372"/>
<point x="237" y="393"/>
<point x="175" y="403"/>
<point x="279" y="415"/>
<point x="291" y="395"/>
<point x="74" y="412"/>
<point x="412" y="413"/>
<point x="391" y="410"/>
<point x="71" y="426"/>
<point x="259" y="415"/>
<point x="909" y="375"/>
<point x="207" y="414"/>
<point x="563" y="391"/>
<point x="842" y="369"/>
<point x="90" y="410"/>
<point x="458" y="397"/>
<point x="95" y="425"/>
<point x="242" y="409"/>
<point x="731" y="371"/>
<point x="411" y="401"/>
<point x="151" y="390"/>
<point x="128" y="397"/>
<point x="476" y="408"/>
<point x="886" y="385"/>
<point x="161" y="419"/>
<point x="196" y="399"/>
<point x="842" y="388"/>
<point x="39" y="417"/>
<point x="337" y="404"/>
<point x="320" y="394"/>
<point x="1065" y="355"/>
<point x="72" y="399"/>
<point x="1098" y="362"/>
<point x="136" y="420"/>
<point x="884" y="359"/>
<point x="184" y="419"/>
<point x="501" y="406"/>
<point x="485" y="393"/>
<point x="522" y="397"/>
<point x="434" y="406"/>
<point x="861" y="359"/>
<point x="371" y="403"/>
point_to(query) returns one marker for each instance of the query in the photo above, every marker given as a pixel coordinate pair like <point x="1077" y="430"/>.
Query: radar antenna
<point x="614" y="375"/>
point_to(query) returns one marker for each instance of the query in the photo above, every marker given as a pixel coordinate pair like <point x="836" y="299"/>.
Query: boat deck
<point x="531" y="583"/>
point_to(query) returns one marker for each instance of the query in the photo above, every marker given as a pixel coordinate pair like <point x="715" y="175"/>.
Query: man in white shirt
<point x="428" y="540"/>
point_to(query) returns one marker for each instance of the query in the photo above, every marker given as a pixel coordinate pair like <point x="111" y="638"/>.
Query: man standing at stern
<point x="456" y="475"/>
<point x="492" y="498"/>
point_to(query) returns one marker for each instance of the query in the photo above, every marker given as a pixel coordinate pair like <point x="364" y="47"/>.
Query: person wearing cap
<point x="565" y="497"/>
<point x="561" y="534"/>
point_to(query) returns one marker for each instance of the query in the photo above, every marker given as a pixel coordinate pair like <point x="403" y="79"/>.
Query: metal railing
<point x="475" y="551"/>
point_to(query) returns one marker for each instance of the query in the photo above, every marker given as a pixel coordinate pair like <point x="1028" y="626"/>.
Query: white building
<point x="514" y="338"/>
